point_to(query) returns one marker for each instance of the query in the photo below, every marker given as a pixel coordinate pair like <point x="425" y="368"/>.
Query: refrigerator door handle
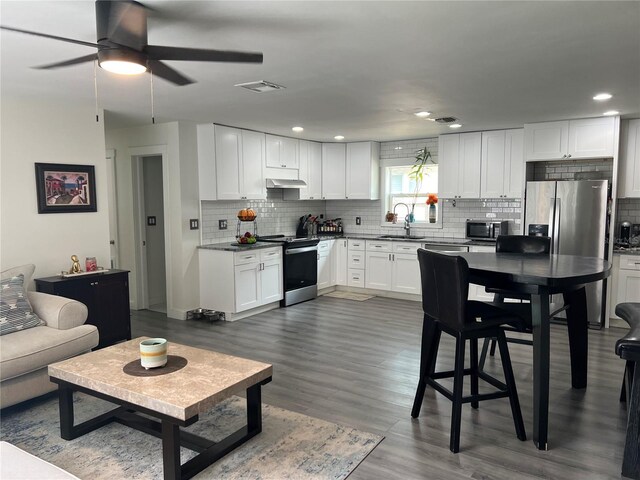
<point x="556" y="226"/>
<point x="552" y="225"/>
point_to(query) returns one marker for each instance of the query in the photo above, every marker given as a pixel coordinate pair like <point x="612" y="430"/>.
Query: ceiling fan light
<point x="122" y="62"/>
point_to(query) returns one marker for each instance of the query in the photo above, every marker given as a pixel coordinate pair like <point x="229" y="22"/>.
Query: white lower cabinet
<point x="233" y="282"/>
<point x="326" y="261"/>
<point x="477" y="292"/>
<point x="392" y="266"/>
<point x="405" y="276"/>
<point x="625" y="281"/>
<point x="340" y="256"/>
<point x="378" y="270"/>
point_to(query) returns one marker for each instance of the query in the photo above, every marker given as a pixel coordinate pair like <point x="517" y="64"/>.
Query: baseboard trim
<point x="378" y="293"/>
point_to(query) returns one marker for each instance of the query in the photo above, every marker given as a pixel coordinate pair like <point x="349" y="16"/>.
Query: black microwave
<point x="483" y="230"/>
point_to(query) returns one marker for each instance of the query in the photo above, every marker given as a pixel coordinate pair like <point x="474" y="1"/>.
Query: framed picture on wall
<point x="65" y="188"/>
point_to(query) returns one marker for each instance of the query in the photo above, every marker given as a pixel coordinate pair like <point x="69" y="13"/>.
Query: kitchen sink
<point x="405" y="237"/>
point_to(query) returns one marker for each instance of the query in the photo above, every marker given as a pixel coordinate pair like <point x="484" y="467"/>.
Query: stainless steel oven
<point x="300" y="268"/>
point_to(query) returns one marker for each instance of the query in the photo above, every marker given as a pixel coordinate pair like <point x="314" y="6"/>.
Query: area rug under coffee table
<point x="291" y="445"/>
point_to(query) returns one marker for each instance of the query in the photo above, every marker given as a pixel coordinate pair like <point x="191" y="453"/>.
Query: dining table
<point x="541" y="276"/>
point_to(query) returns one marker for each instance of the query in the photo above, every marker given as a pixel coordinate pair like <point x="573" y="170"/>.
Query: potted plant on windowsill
<point x="418" y="171"/>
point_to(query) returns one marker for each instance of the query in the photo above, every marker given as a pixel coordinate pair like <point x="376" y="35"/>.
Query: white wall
<point x="42" y="132"/>
<point x="180" y="170"/>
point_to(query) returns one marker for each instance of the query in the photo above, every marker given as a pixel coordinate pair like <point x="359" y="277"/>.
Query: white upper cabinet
<point x="363" y="171"/>
<point x="239" y="159"/>
<point x="571" y="139"/>
<point x="282" y="152"/>
<point x="629" y="167"/>
<point x="253" y="185"/>
<point x="310" y="163"/>
<point x="502" y="164"/>
<point x="228" y="148"/>
<point x="459" y="165"/>
<point x="334" y="159"/>
<point x="206" y="162"/>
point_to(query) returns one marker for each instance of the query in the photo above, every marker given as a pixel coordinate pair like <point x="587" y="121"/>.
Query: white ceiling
<point x="359" y="69"/>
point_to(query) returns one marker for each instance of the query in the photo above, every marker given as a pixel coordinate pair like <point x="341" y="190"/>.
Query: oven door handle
<point x="293" y="251"/>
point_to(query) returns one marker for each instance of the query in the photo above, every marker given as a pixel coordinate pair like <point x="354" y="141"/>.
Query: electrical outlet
<point x="358" y="221"/>
<point x="222" y="224"/>
<point x="193" y="224"/>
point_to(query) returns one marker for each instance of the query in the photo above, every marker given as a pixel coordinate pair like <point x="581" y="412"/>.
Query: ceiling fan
<point x="122" y="45"/>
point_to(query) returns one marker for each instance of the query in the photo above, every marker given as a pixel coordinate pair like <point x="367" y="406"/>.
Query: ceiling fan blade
<point x="53" y="37"/>
<point x="66" y="63"/>
<point x="161" y="70"/>
<point x="158" y="52"/>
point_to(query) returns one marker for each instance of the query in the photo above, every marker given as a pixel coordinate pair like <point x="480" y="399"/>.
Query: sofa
<point x="25" y="354"/>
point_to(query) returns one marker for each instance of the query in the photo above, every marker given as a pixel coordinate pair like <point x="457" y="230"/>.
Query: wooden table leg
<point x="540" y="321"/>
<point x="171" y="450"/>
<point x="578" y="327"/>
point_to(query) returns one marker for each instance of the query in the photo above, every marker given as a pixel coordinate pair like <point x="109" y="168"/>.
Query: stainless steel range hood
<point x="285" y="183"/>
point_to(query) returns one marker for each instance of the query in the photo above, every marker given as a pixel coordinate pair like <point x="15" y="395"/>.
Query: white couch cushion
<point x="29" y="350"/>
<point x="17" y="464"/>
<point x="26" y="270"/>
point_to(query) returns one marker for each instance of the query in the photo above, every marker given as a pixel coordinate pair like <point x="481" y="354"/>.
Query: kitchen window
<point x="400" y="187"/>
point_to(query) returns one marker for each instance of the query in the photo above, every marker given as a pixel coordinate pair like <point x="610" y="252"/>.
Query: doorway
<point x="150" y="232"/>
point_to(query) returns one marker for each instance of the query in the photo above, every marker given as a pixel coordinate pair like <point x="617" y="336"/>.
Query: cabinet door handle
<point x="569" y="156"/>
<point x="393" y="256"/>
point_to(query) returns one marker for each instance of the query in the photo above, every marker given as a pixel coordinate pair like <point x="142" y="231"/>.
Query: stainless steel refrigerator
<point x="574" y="215"/>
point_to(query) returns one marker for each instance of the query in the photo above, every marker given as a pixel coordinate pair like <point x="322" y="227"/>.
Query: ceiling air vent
<point x="260" y="86"/>
<point x="446" y="120"/>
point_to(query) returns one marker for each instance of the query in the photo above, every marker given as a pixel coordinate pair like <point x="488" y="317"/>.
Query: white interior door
<point x="112" y="199"/>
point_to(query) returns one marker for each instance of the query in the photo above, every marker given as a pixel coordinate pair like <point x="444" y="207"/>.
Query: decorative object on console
<point x="75" y="266"/>
<point x="65" y="188"/>
<point x="91" y="264"/>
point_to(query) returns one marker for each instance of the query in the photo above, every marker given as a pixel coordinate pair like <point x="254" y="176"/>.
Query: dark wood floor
<point x="356" y="363"/>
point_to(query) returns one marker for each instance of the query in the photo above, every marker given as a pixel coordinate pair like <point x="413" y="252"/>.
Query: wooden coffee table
<point x="175" y="399"/>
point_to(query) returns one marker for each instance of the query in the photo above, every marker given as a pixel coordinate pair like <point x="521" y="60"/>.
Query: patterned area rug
<point x="359" y="297"/>
<point x="291" y="445"/>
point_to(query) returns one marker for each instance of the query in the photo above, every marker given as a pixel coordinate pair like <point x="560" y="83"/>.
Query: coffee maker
<point x="625" y="232"/>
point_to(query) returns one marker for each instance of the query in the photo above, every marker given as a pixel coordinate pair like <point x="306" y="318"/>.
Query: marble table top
<point x="207" y="379"/>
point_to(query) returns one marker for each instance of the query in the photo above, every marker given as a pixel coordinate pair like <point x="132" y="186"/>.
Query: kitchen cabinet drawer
<point x="355" y="278"/>
<point x="374" y="246"/>
<point x="405" y="247"/>
<point x="356" y="245"/>
<point x="324" y="246"/>
<point x="356" y="260"/>
<point x="629" y="262"/>
<point x="242" y="258"/>
<point x="269" y="254"/>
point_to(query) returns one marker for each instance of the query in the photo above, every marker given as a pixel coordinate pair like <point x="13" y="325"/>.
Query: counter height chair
<point x="628" y="348"/>
<point x="515" y="244"/>
<point x="445" y="289"/>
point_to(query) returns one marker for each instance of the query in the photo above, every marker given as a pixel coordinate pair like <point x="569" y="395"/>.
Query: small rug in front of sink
<point x="359" y="297"/>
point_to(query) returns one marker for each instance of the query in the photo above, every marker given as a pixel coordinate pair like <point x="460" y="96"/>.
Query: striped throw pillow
<point x="15" y="310"/>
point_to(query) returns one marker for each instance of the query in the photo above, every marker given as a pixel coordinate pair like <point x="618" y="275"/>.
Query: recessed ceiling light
<point x="602" y="96"/>
<point x="422" y="114"/>
<point x="297" y="129"/>
<point x="339" y="137"/>
<point x="397" y="148"/>
<point x="455" y="125"/>
<point x="611" y="112"/>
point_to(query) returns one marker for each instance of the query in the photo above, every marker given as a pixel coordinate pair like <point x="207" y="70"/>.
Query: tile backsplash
<point x="574" y="170"/>
<point x="628" y="210"/>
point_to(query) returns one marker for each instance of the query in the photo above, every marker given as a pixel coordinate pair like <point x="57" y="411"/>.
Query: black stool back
<point x="522" y="244"/>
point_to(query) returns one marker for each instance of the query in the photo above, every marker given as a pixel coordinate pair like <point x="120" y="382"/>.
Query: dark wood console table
<point x="105" y="294"/>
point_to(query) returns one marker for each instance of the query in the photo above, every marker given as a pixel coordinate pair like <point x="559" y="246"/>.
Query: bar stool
<point x="628" y="348"/>
<point x="445" y="289"/>
<point x="515" y="244"/>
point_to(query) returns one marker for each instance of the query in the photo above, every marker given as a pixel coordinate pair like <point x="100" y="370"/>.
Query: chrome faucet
<point x="407" y="224"/>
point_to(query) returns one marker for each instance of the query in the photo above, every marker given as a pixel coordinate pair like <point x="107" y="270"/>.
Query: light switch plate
<point x="222" y="224"/>
<point x="358" y="221"/>
<point x="193" y="224"/>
